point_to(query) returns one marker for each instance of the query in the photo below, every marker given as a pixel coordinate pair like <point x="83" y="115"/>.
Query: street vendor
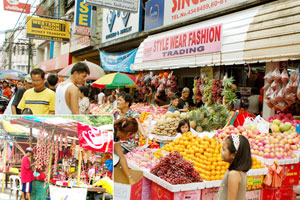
<point x="124" y="102"/>
<point x="124" y="128"/>
<point x="27" y="174"/>
<point x="183" y="104"/>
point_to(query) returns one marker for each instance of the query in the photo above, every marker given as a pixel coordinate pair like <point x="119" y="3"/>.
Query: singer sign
<point x="16" y="6"/>
<point x="199" y="41"/>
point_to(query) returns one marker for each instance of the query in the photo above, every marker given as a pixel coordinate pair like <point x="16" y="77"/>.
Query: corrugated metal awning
<point x="270" y="32"/>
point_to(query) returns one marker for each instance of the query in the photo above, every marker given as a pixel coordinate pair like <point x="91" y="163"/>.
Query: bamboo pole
<point x="50" y="157"/>
<point x="30" y="138"/>
<point x="4" y="164"/>
<point x="79" y="166"/>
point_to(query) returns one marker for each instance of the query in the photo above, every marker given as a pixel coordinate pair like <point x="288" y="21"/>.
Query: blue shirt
<point x="172" y="109"/>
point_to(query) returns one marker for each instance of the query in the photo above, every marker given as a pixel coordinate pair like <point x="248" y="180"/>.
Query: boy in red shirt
<point x="27" y="174"/>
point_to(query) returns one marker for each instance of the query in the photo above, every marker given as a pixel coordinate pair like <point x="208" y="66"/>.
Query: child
<point x="174" y="103"/>
<point x="183" y="126"/>
<point x="236" y="151"/>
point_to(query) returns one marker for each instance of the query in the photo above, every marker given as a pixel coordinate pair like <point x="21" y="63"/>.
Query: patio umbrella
<point x="115" y="80"/>
<point x="12" y="76"/>
<point x="9" y="71"/>
<point x="95" y="71"/>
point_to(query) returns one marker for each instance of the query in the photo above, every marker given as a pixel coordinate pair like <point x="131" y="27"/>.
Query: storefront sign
<point x="94" y="139"/>
<point x="120" y="62"/>
<point x="198" y="41"/>
<point x="48" y="29"/>
<point x="79" y="42"/>
<point x="83" y="15"/>
<point x="154" y="14"/>
<point x="16" y="6"/>
<point x="117" y="24"/>
<point x="126" y="5"/>
<point x="207" y="71"/>
<point x="177" y="11"/>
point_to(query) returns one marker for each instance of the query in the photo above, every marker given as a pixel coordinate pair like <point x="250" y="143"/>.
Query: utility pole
<point x="10" y="50"/>
<point x="29" y="55"/>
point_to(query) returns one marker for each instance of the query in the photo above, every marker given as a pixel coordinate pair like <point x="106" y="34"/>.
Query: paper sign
<point x="68" y="194"/>
<point x="94" y="139"/>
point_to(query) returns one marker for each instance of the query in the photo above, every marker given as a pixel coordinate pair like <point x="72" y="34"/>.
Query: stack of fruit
<point x="204" y="153"/>
<point x="144" y="116"/>
<point x="175" y="170"/>
<point x="256" y="164"/>
<point x="272" y="145"/>
<point x="142" y="157"/>
<point x="208" y="118"/>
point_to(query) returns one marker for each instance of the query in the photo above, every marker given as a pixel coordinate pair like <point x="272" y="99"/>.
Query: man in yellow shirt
<point x="40" y="100"/>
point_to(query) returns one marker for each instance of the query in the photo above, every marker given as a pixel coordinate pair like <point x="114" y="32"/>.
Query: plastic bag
<point x="280" y="95"/>
<point x="282" y="105"/>
<point x="284" y="76"/>
<point x="274" y="85"/>
<point x="269" y="92"/>
<point x="268" y="77"/>
<point x="268" y="102"/>
<point x="298" y="91"/>
<point x="266" y="87"/>
<point x="276" y="76"/>
<point x="273" y="98"/>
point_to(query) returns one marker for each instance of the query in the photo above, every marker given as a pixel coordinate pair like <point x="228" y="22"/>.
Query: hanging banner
<point x="159" y="13"/>
<point x="83" y="15"/>
<point x="16" y="6"/>
<point x="127" y="6"/>
<point x="191" y="42"/>
<point x="48" y="29"/>
<point x="94" y="139"/>
<point x="119" y="62"/>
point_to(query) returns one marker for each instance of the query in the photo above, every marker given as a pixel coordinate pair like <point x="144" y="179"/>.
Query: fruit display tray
<point x="279" y="162"/>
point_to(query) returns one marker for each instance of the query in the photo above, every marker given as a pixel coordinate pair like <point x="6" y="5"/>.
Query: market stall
<point x="69" y="155"/>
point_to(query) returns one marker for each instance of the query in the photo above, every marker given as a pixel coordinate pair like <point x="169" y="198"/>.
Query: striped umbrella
<point x="95" y="71"/>
<point x="11" y="76"/>
<point x="115" y="80"/>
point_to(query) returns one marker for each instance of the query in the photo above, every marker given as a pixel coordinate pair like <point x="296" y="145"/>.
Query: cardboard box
<point x="282" y="193"/>
<point x="122" y="189"/>
<point x="292" y="177"/>
<point x="146" y="191"/>
<point x="160" y="193"/>
<point x="210" y="193"/>
<point x="255" y="182"/>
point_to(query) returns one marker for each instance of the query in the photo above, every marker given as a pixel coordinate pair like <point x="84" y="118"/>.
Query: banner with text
<point x="119" y="62"/>
<point x="83" y="16"/>
<point x="48" y="29"/>
<point x="199" y="41"/>
<point x="177" y="11"/>
<point x="126" y="6"/>
<point x="16" y="6"/>
<point x="94" y="139"/>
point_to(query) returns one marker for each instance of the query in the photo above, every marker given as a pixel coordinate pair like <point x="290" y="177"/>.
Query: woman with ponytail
<point x="124" y="128"/>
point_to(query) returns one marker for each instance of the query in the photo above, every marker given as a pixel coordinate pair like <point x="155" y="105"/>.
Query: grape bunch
<point x="175" y="170"/>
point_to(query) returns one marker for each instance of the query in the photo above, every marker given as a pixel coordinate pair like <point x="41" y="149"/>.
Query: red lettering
<point x="211" y="34"/>
<point x="195" y="2"/>
<point x="207" y="35"/>
<point x="187" y="2"/>
<point x="174" y="6"/>
<point x="167" y="44"/>
<point x="203" y="35"/>
<point x="180" y="41"/>
<point x="172" y="43"/>
<point x="190" y="38"/>
<point x="198" y="37"/>
<point x="154" y="46"/>
<point x="218" y="33"/>
<point x="176" y="41"/>
<point x="184" y="40"/>
<point x="193" y="38"/>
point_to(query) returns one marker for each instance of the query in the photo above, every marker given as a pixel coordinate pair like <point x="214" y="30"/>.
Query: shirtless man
<point x="67" y="93"/>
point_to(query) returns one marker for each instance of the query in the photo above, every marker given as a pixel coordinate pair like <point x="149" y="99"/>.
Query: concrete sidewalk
<point x="5" y="195"/>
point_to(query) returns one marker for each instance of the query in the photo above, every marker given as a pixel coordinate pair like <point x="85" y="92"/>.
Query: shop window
<point x="23" y="50"/>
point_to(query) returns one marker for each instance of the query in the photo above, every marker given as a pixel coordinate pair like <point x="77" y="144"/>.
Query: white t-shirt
<point x="254" y="104"/>
<point x="101" y="98"/>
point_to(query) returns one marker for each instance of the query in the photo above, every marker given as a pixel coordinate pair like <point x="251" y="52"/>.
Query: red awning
<point x="56" y="64"/>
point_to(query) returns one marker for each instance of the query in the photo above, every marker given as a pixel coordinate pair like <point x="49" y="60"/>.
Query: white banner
<point x="59" y="193"/>
<point x="127" y="6"/>
<point x="117" y="24"/>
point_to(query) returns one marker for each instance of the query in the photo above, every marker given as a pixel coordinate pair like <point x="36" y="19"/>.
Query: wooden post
<point x="4" y="164"/>
<point x="79" y="166"/>
<point x="30" y="138"/>
<point x="50" y="156"/>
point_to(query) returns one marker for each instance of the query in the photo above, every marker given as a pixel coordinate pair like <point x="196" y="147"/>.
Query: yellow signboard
<point x="48" y="29"/>
<point x="207" y="71"/>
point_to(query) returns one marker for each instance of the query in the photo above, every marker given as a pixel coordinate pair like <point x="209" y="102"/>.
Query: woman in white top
<point x="84" y="102"/>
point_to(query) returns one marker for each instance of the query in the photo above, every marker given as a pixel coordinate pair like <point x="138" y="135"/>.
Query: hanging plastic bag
<point x="268" y="77"/>
<point x="274" y="85"/>
<point x="276" y="76"/>
<point x="269" y="104"/>
<point x="284" y="76"/>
